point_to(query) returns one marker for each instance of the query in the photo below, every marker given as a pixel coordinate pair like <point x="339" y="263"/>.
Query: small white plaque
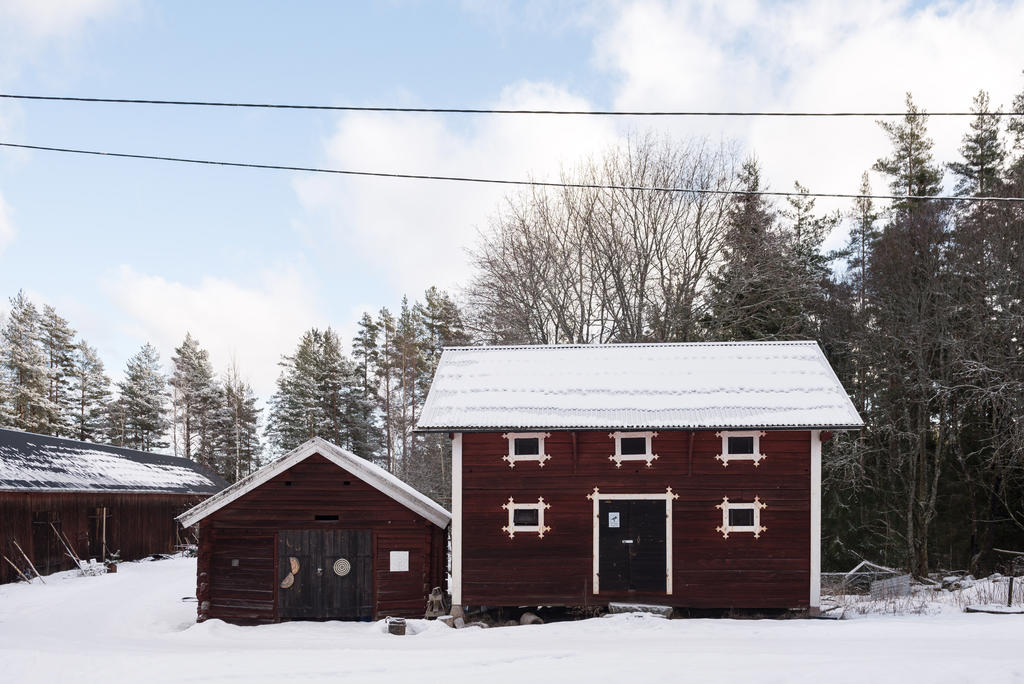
<point x="613" y="519"/>
<point x="399" y="561"/>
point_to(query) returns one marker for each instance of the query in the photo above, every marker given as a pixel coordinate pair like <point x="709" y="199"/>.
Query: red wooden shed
<point x="320" y="534"/>
<point x="685" y="475"/>
<point x="105" y="501"/>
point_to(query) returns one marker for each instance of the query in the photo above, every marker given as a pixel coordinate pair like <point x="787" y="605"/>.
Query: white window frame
<point x="511" y="506"/>
<point x="668" y="496"/>
<point x="618" y="457"/>
<point x="725" y="456"/>
<point x="756" y="505"/>
<point x="540" y="457"/>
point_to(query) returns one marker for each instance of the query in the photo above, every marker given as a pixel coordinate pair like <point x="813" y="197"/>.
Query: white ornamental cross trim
<point x="540" y="457"/>
<point x="540" y="528"/>
<point x="618" y="456"/>
<point x="725" y="456"/>
<point x="725" y="528"/>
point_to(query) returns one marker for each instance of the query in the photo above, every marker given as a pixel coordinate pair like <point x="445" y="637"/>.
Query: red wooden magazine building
<point x="677" y="474"/>
<point x="319" y="534"/>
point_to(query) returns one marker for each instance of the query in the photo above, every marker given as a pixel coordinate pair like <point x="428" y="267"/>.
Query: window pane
<point x="525" y="517"/>
<point x="633" y="446"/>
<point x="527" y="446"/>
<point x="741" y="517"/>
<point x="741" y="445"/>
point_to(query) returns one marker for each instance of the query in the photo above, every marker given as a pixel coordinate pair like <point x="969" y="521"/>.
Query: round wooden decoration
<point x="342" y="567"/>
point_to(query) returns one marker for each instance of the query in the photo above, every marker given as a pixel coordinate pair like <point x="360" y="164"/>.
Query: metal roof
<point x="31" y="462"/>
<point x="626" y="386"/>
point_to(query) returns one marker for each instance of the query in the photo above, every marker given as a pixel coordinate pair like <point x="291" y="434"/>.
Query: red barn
<point x="686" y="475"/>
<point x="319" y="534"/>
<point x="104" y="501"/>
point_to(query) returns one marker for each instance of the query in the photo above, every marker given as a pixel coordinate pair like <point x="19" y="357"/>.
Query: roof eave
<point x="575" y="428"/>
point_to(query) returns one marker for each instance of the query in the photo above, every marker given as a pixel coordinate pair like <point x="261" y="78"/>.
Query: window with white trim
<point x="525" y="517"/>
<point x="525" y="446"/>
<point x="741" y="517"/>
<point x="740" y="445"/>
<point x="633" y="446"/>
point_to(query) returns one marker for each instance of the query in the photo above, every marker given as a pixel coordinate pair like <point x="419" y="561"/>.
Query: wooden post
<point x="103" y="535"/>
<point x="27" y="560"/>
<point x="16" y="569"/>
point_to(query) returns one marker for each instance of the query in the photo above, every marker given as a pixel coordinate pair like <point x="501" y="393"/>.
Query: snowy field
<point x="133" y="627"/>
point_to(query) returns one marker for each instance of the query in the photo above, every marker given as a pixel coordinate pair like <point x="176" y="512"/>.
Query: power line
<point x="503" y="181"/>
<point x="463" y="110"/>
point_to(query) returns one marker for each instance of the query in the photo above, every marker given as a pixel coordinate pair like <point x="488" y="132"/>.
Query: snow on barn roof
<point x="31" y="462"/>
<point x="646" y="386"/>
<point x="371" y="474"/>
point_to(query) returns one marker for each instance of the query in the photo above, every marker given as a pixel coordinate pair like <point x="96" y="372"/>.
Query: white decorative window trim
<point x="597" y="497"/>
<point x="619" y="457"/>
<point x="511" y="506"/>
<point x="725" y="528"/>
<point x="513" y="458"/>
<point x="725" y="456"/>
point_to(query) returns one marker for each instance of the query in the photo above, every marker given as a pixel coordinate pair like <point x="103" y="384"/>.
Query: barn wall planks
<point x="772" y="571"/>
<point x="137" y="525"/>
<point x="246" y="530"/>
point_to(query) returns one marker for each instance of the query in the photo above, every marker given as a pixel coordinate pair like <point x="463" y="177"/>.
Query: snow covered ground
<point x="133" y="627"/>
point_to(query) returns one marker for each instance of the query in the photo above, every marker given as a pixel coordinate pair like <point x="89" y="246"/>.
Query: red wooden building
<point x="685" y="475"/>
<point x="105" y="501"/>
<point x="319" y="534"/>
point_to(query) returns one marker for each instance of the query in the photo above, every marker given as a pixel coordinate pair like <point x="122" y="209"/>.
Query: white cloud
<point x="6" y="226"/>
<point x="415" y="232"/>
<point x="51" y="18"/>
<point x="254" y="325"/>
<point x="818" y="57"/>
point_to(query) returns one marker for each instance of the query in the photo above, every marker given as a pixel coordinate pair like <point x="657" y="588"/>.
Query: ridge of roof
<point x="631" y="345"/>
<point x="372" y="474"/>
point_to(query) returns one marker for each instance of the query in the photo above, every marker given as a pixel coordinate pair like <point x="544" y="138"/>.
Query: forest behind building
<point x="921" y="314"/>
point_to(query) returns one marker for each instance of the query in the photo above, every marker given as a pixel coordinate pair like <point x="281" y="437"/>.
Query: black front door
<point x="632" y="545"/>
<point x="325" y="574"/>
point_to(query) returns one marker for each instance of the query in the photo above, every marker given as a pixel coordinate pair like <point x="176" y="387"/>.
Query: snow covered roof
<point x="42" y="463"/>
<point x="371" y="474"/>
<point x="692" y="385"/>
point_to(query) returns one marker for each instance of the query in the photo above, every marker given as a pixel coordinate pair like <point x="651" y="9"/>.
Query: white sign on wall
<point x="613" y="519"/>
<point x="399" y="561"/>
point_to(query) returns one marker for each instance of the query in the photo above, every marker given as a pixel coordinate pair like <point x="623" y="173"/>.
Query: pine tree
<point x="980" y="172"/>
<point x="197" y="400"/>
<point x="58" y="344"/>
<point x="91" y="393"/>
<point x="142" y="402"/>
<point x="239" y="428"/>
<point x="26" y="368"/>
<point x="911" y="168"/>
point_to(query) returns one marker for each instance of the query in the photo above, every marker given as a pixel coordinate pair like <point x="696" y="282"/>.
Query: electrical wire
<point x="463" y="110"/>
<point x="501" y="181"/>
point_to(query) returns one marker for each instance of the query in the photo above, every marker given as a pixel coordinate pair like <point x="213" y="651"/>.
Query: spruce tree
<point x="142" y="402"/>
<point x="239" y="428"/>
<point x="57" y="340"/>
<point x="91" y="393"/>
<point x="26" y="368"/>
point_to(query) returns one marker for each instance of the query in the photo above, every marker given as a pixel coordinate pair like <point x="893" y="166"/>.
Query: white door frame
<point x="667" y="496"/>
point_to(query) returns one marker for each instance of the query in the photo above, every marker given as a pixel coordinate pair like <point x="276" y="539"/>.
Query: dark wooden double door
<point x="632" y="546"/>
<point x="325" y="574"/>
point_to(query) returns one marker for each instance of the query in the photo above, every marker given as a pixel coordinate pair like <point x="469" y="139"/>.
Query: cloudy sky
<point x="132" y="251"/>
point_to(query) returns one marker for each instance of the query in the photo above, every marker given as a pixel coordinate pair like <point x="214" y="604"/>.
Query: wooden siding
<point x="708" y="571"/>
<point x="137" y="525"/>
<point x="246" y="530"/>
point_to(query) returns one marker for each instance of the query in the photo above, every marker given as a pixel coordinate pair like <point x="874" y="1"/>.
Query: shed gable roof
<point x="373" y="475"/>
<point x="31" y="462"/>
<point x="688" y="385"/>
